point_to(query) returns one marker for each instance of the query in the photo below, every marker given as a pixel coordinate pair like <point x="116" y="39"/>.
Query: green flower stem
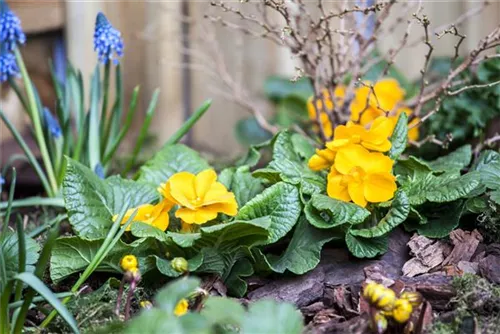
<point x="143" y="133"/>
<point x="104" y="111"/>
<point x="34" y="201"/>
<point x="37" y="125"/>
<point x="111" y="239"/>
<point x="31" y="158"/>
<point x="189" y="123"/>
<point x="4" y="309"/>
<point x="22" y="256"/>
<point x="6" y="218"/>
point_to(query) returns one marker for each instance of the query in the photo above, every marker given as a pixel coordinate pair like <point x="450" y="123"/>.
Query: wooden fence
<point x="153" y="34"/>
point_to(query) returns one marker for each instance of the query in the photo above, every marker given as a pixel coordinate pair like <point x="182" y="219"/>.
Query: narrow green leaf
<point x="94" y="137"/>
<point x="174" y="139"/>
<point x="36" y="284"/>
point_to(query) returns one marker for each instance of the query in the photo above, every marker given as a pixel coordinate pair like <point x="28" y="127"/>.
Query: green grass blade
<point x="143" y="132"/>
<point x="10" y="200"/>
<point x="22" y="255"/>
<point x="34" y="201"/>
<point x="31" y="157"/>
<point x="128" y="122"/>
<point x="35" y="113"/>
<point x="189" y="123"/>
<point x="116" y="115"/>
<point x="39" y="299"/>
<point x="93" y="148"/>
<point x="104" y="109"/>
<point x="36" y="284"/>
<point x="47" y="225"/>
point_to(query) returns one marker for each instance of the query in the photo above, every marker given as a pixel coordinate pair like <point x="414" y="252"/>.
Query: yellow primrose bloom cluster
<point x="386" y="304"/>
<point x="366" y="106"/>
<point x="359" y="171"/>
<point x="199" y="199"/>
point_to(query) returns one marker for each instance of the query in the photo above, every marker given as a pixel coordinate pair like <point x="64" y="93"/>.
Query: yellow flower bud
<point x="146" y="304"/>
<point x="179" y="264"/>
<point x="379" y="296"/>
<point x="129" y="263"/>
<point x="402" y="311"/>
<point x="181" y="308"/>
<point x="414" y="298"/>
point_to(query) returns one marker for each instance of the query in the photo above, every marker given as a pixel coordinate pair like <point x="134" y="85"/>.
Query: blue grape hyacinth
<point x="11" y="32"/>
<point x="8" y="66"/>
<point x="52" y="123"/>
<point x="99" y="171"/>
<point x="107" y="40"/>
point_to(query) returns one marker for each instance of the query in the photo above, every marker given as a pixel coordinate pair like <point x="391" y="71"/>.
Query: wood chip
<point x="428" y="254"/>
<point x="465" y="243"/>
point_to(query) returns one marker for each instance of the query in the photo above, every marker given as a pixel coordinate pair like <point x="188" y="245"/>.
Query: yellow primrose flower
<point x="155" y="215"/>
<point x="129" y="263"/>
<point x="329" y="105"/>
<point x="361" y="176"/>
<point x="322" y="159"/>
<point x="375" y="139"/>
<point x="200" y="196"/>
<point x="387" y="95"/>
<point x="181" y="308"/>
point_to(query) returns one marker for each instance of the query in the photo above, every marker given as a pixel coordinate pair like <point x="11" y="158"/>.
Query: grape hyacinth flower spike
<point x="11" y="32"/>
<point x="8" y="66"/>
<point x="107" y="40"/>
<point x="52" y="123"/>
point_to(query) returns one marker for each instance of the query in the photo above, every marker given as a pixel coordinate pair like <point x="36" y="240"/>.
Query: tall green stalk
<point x="37" y="125"/>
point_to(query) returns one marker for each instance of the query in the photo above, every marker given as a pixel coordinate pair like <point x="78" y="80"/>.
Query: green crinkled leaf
<point x="184" y="239"/>
<point x="142" y="230"/>
<point x="485" y="158"/>
<point x="248" y="132"/>
<point x="411" y="170"/>
<point x="396" y="215"/>
<point x="92" y="202"/>
<point x="10" y="251"/>
<point x="216" y="309"/>
<point x="490" y="175"/>
<point x="72" y="254"/>
<point x="157" y="321"/>
<point x="495" y="196"/>
<point x="477" y="205"/>
<point x="291" y="167"/>
<point x="268" y="174"/>
<point x="220" y="263"/>
<point x="267" y="316"/>
<point x="441" y="220"/>
<point x="304" y="250"/>
<point x="363" y="247"/>
<point x="236" y="286"/>
<point x="280" y="203"/>
<point x="241" y="182"/>
<point x="277" y="88"/>
<point x="169" y="160"/>
<point x="331" y="212"/>
<point x="165" y="266"/>
<point x="302" y="146"/>
<point x="399" y="137"/>
<point x="453" y="189"/>
<point x="455" y="161"/>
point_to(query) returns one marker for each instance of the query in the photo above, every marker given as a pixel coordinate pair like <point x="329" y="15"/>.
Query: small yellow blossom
<point x="181" y="308"/>
<point x="200" y="197"/>
<point x="155" y="215"/>
<point x="146" y="304"/>
<point x="366" y="106"/>
<point x="402" y="310"/>
<point x="328" y="106"/>
<point x="379" y="296"/>
<point x="129" y="263"/>
<point x="375" y="139"/>
<point x="322" y="159"/>
<point x="361" y="176"/>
